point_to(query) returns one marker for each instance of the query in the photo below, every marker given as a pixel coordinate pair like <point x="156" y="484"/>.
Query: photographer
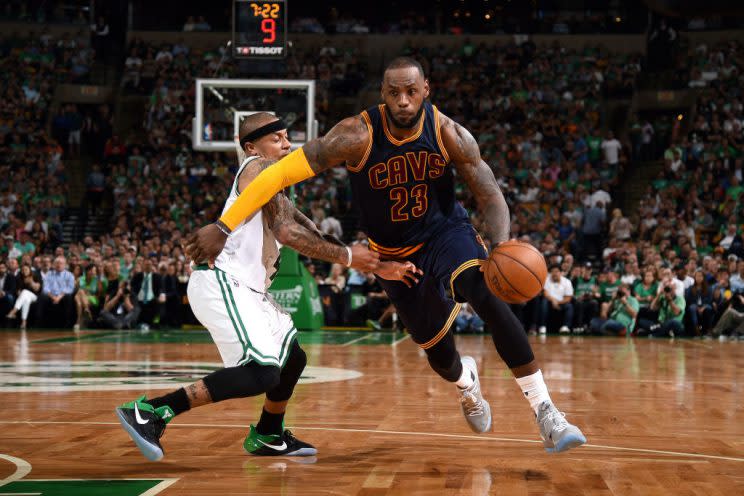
<point x="671" y="307"/>
<point x="619" y="316"/>
<point x="118" y="310"/>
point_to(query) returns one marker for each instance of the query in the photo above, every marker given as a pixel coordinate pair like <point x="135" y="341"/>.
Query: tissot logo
<point x="265" y="50"/>
<point x="112" y="375"/>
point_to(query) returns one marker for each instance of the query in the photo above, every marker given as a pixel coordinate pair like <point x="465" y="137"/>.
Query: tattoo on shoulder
<point x="345" y="142"/>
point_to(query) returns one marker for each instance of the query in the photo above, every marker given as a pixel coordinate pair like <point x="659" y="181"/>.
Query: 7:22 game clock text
<point x="259" y="29"/>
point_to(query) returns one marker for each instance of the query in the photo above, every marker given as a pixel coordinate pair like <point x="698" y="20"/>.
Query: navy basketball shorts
<point x="429" y="308"/>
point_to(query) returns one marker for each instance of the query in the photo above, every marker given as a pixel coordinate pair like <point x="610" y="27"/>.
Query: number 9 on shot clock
<point x="259" y="29"/>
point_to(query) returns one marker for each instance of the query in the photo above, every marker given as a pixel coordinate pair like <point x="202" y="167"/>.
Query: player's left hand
<point x="205" y="244"/>
<point x="407" y="272"/>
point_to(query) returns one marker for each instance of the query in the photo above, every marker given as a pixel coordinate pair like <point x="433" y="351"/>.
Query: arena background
<point x="615" y="131"/>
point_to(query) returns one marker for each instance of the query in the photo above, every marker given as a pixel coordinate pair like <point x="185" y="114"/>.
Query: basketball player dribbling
<point x="398" y="155"/>
<point x="255" y="337"/>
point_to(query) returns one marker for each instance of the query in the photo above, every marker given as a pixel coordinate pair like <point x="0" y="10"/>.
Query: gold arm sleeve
<point x="290" y="170"/>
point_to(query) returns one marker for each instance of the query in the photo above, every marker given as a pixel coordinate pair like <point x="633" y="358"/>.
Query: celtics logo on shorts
<point x="53" y="375"/>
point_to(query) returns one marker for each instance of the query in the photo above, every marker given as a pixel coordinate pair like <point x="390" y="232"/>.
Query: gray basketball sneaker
<point x="557" y="434"/>
<point x="476" y="409"/>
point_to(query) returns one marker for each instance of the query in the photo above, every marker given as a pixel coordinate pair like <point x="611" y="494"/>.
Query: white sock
<point x="466" y="378"/>
<point x="534" y="389"/>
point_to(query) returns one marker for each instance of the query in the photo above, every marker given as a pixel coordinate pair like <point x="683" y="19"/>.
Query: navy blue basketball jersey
<point x="404" y="188"/>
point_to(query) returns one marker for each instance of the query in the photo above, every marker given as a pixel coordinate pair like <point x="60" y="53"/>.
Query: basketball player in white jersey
<point x="255" y="337"/>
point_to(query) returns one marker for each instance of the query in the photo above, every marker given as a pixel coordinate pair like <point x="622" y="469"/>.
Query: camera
<point x="667" y="289"/>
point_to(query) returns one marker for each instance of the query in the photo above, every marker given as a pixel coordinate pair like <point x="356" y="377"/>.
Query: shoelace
<point x="558" y="418"/>
<point x="288" y="436"/>
<point x="471" y="403"/>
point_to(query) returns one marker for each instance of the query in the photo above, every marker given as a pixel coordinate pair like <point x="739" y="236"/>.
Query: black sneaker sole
<point x="150" y="451"/>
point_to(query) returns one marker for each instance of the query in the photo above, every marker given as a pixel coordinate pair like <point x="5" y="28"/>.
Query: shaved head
<point x="404" y="63"/>
<point x="271" y="143"/>
<point x="254" y="121"/>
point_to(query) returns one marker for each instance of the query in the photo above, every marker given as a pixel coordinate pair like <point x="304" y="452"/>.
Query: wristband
<point x="222" y="227"/>
<point x="348" y="250"/>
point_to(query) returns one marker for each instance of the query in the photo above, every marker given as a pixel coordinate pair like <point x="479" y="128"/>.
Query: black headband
<point x="262" y="131"/>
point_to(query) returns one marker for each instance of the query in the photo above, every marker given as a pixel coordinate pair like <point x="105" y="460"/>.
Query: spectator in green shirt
<point x="645" y="291"/>
<point x="25" y="245"/>
<point x="586" y="298"/>
<point x="608" y="287"/>
<point x="671" y="307"/>
<point x="619" y="316"/>
<point x="594" y="143"/>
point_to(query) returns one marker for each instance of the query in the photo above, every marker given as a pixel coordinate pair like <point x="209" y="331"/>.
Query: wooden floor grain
<point x="661" y="417"/>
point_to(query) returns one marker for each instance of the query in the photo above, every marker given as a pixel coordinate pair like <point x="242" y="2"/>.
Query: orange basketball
<point x="515" y="271"/>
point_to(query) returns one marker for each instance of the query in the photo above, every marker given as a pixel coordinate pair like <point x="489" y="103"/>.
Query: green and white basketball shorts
<point x="245" y="325"/>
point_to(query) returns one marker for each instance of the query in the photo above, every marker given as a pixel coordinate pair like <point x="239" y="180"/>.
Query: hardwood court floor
<point x="661" y="418"/>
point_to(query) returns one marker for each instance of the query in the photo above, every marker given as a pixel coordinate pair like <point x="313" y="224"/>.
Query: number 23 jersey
<point x="404" y="189"/>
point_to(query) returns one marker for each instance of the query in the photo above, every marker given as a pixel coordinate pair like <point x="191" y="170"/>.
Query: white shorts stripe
<point x="224" y="306"/>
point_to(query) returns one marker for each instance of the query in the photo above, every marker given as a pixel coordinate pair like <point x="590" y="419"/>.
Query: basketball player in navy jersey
<point x="402" y="156"/>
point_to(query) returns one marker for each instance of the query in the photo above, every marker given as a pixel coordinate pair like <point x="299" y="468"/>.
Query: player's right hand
<point x="405" y="272"/>
<point x="205" y="244"/>
<point x="363" y="259"/>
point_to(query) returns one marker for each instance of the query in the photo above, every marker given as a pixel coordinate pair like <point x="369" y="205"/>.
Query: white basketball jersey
<point x="251" y="252"/>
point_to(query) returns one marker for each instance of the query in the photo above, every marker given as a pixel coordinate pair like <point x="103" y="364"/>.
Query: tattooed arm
<point x="303" y="220"/>
<point x="464" y="152"/>
<point x="306" y="239"/>
<point x="302" y="236"/>
<point x="346" y="142"/>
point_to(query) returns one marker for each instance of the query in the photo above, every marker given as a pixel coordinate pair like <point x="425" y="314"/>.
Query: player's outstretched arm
<point x="312" y="243"/>
<point x="346" y="142"/>
<point x="465" y="154"/>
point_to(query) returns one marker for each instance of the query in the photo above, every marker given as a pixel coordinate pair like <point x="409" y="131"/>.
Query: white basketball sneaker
<point x="475" y="408"/>
<point x="557" y="434"/>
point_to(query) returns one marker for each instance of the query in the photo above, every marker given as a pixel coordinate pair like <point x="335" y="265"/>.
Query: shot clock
<point x="260" y="29"/>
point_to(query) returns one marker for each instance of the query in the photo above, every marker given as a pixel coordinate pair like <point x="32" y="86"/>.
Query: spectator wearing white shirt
<point x="665" y="275"/>
<point x="736" y="282"/>
<point x="557" y="298"/>
<point x="132" y="70"/>
<point x="611" y="149"/>
<point x="647" y="141"/>
<point x="726" y="241"/>
<point x="600" y="196"/>
<point x="682" y="276"/>
<point x="331" y="225"/>
<point x="677" y="163"/>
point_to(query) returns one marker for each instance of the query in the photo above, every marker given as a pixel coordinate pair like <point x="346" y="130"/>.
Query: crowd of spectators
<point x="673" y="269"/>
<point x="33" y="180"/>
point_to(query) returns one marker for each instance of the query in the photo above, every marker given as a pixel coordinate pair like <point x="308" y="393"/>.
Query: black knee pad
<point x="506" y="329"/>
<point x="444" y="358"/>
<point x="242" y="381"/>
<point x="291" y="373"/>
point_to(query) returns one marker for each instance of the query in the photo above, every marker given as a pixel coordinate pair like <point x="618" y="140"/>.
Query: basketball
<point x="515" y="271"/>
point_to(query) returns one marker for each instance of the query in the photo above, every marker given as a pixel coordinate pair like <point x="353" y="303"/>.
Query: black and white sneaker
<point x="145" y="425"/>
<point x="276" y="445"/>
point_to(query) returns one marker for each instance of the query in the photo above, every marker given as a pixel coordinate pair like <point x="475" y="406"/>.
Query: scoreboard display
<point x="259" y="29"/>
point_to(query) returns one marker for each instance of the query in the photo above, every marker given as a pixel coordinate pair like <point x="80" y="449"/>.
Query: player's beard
<point x="413" y="122"/>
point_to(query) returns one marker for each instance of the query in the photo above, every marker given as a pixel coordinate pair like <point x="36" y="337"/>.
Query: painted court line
<point x="23" y="468"/>
<point x="404" y="433"/>
<point x="356" y="340"/>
